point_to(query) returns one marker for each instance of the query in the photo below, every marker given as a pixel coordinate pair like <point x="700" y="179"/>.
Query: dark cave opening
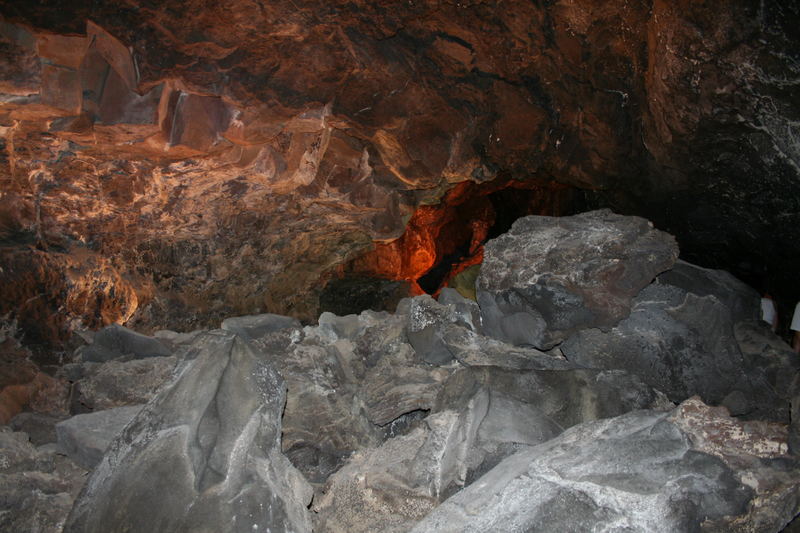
<point x="442" y="240"/>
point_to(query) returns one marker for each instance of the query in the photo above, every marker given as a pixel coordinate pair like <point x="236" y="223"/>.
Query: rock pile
<point x="447" y="415"/>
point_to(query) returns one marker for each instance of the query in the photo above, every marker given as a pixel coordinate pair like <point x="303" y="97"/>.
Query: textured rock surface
<point x="37" y="486"/>
<point x="203" y="455"/>
<point x="684" y="343"/>
<point x="643" y="471"/>
<point x="482" y="416"/>
<point x="549" y="277"/>
<point x="117" y="383"/>
<point x="176" y="164"/>
<point x="85" y="438"/>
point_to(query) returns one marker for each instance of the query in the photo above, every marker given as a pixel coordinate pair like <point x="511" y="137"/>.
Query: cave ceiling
<point x="170" y="163"/>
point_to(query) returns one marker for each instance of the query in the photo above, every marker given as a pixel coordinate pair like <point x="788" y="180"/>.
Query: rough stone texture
<point x="37" y="486"/>
<point x="684" y="343"/>
<point x="549" y="277"/>
<point x="176" y="164"/>
<point x="85" y="438"/>
<point x="117" y="383"/>
<point x="348" y="380"/>
<point x="203" y="455"/>
<point x="641" y="471"/>
<point x="117" y="342"/>
<point x="426" y="320"/>
<point x="567" y="397"/>
<point x="483" y="416"/>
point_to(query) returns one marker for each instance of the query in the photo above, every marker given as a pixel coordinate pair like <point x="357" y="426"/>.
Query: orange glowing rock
<point x="453" y="232"/>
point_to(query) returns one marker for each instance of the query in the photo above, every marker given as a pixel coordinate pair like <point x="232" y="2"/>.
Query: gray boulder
<point x="691" y="469"/>
<point x="686" y="343"/>
<point x="204" y="455"/>
<point x="549" y="277"/>
<point x="254" y="326"/>
<point x="85" y="438"/>
<point x="426" y="319"/>
<point x="743" y="302"/>
<point x="100" y="386"/>
<point x="117" y="342"/>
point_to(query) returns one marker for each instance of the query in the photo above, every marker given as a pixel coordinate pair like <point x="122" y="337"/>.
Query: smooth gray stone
<point x="85" y="438"/>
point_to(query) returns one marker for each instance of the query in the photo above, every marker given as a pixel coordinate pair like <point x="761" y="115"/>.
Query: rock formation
<point x="172" y="165"/>
<point x="419" y="421"/>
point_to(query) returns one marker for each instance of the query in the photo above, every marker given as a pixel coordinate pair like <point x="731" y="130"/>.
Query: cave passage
<point x="442" y="240"/>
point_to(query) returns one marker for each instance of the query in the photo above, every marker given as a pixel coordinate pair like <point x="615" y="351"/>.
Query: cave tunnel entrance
<point x="444" y="239"/>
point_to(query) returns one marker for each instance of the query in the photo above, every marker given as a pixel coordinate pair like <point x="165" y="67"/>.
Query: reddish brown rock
<point x="235" y="156"/>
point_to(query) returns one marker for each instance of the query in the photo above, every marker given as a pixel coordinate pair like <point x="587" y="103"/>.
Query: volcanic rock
<point x="116" y="342"/>
<point x="85" y="438"/>
<point x="37" y="486"/>
<point x="644" y="471"/>
<point x="99" y="386"/>
<point x="255" y="326"/>
<point x="684" y="343"/>
<point x="549" y="277"/>
<point x="482" y="416"/>
<point x="204" y="454"/>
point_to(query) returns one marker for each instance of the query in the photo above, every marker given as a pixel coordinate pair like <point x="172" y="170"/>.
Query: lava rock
<point x="567" y="397"/>
<point x="324" y="419"/>
<point x="99" y="386"/>
<point x="37" y="485"/>
<point x="203" y="455"/>
<point x="549" y="277"/>
<point x="643" y="470"/>
<point x="425" y="321"/>
<point x="685" y="344"/>
<point x="85" y="438"/>
<point x="41" y="428"/>
<point x="743" y="302"/>
<point x="116" y="342"/>
<point x="255" y="326"/>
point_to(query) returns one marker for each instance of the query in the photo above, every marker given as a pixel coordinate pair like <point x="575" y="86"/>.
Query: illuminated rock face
<point x="171" y="164"/>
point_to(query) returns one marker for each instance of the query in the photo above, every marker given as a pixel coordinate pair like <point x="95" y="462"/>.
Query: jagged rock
<point x="684" y="343"/>
<point x="116" y="342"/>
<point x="483" y="415"/>
<point x="567" y="397"/>
<point x="742" y="301"/>
<point x="549" y="277"/>
<point x="85" y="438"/>
<point x="426" y="319"/>
<point x="324" y="420"/>
<point x="37" y="486"/>
<point x="203" y="455"/>
<point x="466" y="310"/>
<point x="471" y="349"/>
<point x="643" y="471"/>
<point x="771" y="366"/>
<point x="255" y="326"/>
<point x="398" y="384"/>
<point x="99" y="386"/>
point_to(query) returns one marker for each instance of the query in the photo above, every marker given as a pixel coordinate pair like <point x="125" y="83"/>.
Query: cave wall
<point x="171" y="163"/>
